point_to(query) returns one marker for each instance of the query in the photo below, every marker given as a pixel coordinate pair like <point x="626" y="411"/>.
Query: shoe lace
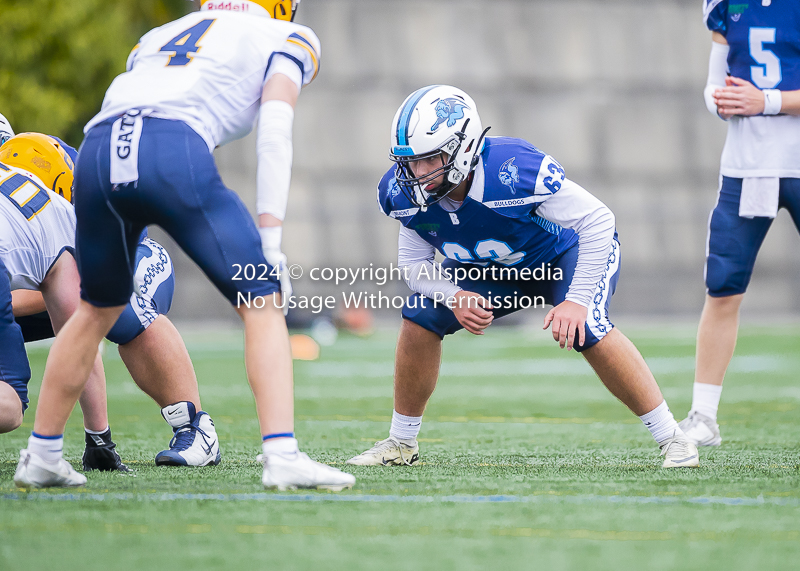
<point x="678" y="444"/>
<point x="389" y="443"/>
<point x="182" y="439"/>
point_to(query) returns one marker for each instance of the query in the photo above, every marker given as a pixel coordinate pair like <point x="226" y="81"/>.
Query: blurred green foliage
<point x="58" y="57"/>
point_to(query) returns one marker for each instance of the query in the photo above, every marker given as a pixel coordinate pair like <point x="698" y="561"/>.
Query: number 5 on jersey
<point x="185" y="43"/>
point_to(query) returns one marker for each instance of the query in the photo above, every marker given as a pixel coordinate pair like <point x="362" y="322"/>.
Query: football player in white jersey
<point x="36" y="228"/>
<point x="754" y="84"/>
<point x="36" y="245"/>
<point x="192" y="85"/>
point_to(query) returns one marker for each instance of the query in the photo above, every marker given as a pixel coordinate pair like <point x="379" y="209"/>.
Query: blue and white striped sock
<point x="49" y="448"/>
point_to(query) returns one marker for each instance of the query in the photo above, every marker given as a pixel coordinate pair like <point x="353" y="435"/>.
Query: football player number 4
<point x="185" y="43"/>
<point x="767" y="74"/>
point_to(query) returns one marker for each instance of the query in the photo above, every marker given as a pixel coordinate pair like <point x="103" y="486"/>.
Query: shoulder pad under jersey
<point x="517" y="176"/>
<point x="715" y="15"/>
<point x="392" y="201"/>
<point x="303" y="48"/>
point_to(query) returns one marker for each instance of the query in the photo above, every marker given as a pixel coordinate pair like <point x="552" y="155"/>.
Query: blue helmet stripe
<point x="405" y="115"/>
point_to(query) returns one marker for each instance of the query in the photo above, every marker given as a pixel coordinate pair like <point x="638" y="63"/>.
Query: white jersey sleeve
<point x="574" y="207"/>
<point x="302" y="49"/>
<point x="416" y="258"/>
<point x="36" y="227"/>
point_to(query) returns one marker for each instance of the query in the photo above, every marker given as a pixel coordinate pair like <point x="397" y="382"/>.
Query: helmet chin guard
<point x="437" y="120"/>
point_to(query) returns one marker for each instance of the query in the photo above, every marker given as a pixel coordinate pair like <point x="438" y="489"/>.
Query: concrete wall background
<point x="612" y="89"/>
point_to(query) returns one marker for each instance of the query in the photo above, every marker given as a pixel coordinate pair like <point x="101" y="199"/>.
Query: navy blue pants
<point x="439" y="319"/>
<point x="180" y="190"/>
<point x="733" y="241"/>
<point x="14" y="368"/>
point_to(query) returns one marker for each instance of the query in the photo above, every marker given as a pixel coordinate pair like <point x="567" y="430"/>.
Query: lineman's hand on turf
<point x="566" y="317"/>
<point x="473" y="311"/>
<point x="739" y="97"/>
<point x="277" y="260"/>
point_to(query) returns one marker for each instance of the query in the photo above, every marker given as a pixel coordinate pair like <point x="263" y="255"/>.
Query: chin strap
<point x="477" y="156"/>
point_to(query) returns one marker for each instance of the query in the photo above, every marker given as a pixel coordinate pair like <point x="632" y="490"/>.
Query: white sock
<point x="705" y="399"/>
<point x="49" y="448"/>
<point x="661" y="423"/>
<point x="405" y="427"/>
<point x="279" y="446"/>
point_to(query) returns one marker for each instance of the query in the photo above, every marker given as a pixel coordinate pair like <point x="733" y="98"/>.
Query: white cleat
<point x="34" y="472"/>
<point x="389" y="452"/>
<point x="289" y="471"/>
<point x="679" y="452"/>
<point x="700" y="429"/>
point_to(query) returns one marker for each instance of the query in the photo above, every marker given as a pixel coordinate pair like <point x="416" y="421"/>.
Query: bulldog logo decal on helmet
<point x="450" y="110"/>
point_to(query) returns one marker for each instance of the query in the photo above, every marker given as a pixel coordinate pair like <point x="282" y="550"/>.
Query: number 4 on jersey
<point x="186" y="43"/>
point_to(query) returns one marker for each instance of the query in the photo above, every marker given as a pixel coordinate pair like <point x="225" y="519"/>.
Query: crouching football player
<point x="494" y="204"/>
<point x="36" y="244"/>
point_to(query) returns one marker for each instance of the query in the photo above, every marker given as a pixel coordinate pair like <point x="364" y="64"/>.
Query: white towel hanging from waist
<point x="759" y="197"/>
<point x="125" y="135"/>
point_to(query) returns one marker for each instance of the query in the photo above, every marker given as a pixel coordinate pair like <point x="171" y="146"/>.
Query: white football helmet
<point x="6" y="132"/>
<point x="434" y="120"/>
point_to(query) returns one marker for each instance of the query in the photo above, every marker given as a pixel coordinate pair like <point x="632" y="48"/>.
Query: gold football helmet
<point x="43" y="157"/>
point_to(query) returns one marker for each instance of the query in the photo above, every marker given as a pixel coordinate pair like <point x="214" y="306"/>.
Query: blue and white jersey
<point x="497" y="222"/>
<point x="764" y="40"/>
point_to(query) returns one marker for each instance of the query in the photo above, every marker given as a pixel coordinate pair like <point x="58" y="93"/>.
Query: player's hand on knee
<point x="739" y="97"/>
<point x="566" y="318"/>
<point x="473" y="311"/>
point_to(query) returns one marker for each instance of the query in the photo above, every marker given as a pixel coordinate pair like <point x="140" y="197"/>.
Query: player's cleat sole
<point x="388" y="452"/>
<point x="296" y="470"/>
<point x="679" y="452"/>
<point x="33" y="472"/>
<point x="173" y="458"/>
<point x="700" y="429"/>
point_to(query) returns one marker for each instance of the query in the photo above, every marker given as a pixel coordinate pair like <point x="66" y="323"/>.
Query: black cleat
<point x="100" y="454"/>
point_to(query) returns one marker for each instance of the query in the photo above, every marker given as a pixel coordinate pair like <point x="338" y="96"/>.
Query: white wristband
<point x="772" y="101"/>
<point x="271" y="237"/>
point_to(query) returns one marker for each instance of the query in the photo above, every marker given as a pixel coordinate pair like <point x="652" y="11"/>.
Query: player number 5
<point x="767" y="74"/>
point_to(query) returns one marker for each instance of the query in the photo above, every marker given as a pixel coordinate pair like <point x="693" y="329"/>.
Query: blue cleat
<point x="195" y="441"/>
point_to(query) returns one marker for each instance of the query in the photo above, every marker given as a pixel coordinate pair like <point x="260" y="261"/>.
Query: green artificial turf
<point x="527" y="463"/>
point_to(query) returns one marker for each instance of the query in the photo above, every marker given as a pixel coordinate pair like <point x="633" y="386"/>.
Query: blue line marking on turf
<point x="374" y="498"/>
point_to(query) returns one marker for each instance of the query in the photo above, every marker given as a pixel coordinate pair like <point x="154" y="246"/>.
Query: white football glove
<point x="271" y="246"/>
